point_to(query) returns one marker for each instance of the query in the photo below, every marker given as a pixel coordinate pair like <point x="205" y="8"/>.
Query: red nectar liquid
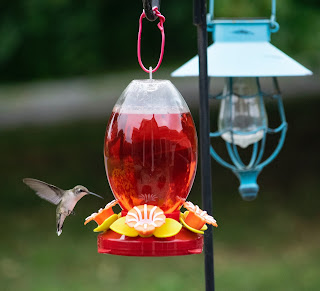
<point x="151" y="158"/>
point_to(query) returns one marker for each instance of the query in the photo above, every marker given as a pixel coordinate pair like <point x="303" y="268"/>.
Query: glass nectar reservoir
<point x="150" y="146"/>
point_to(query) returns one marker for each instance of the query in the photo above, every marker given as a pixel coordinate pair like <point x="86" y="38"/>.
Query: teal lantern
<point x="241" y="53"/>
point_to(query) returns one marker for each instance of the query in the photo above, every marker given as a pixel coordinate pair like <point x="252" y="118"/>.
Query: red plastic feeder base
<point x="184" y="243"/>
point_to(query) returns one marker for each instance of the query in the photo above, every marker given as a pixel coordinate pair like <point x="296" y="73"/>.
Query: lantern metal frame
<point x="247" y="30"/>
<point x="248" y="173"/>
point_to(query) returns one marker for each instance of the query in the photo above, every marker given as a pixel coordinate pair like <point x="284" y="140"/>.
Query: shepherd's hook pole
<point x="200" y="10"/>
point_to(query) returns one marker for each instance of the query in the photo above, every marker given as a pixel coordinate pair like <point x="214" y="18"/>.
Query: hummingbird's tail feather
<point x="60" y="220"/>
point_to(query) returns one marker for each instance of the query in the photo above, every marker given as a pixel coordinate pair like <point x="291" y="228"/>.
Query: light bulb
<point x="242" y="115"/>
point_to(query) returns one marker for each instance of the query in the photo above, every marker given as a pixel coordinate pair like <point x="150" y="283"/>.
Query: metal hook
<point x="147" y="7"/>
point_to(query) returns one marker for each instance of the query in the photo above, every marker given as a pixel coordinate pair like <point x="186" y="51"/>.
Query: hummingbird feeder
<point x="242" y="54"/>
<point x="150" y="152"/>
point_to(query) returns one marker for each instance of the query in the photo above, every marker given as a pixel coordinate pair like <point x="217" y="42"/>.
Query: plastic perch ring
<point x="160" y="26"/>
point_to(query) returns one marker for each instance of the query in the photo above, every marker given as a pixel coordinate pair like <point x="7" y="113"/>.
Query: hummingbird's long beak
<point x="95" y="195"/>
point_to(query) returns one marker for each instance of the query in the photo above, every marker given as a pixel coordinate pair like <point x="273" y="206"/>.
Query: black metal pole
<point x="200" y="10"/>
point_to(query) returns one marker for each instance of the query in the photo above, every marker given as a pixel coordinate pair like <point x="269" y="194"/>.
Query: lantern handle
<point x="148" y="6"/>
<point x="273" y="23"/>
<point x="273" y="10"/>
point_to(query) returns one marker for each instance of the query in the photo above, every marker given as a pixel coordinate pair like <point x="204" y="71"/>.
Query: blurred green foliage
<point x="59" y="38"/>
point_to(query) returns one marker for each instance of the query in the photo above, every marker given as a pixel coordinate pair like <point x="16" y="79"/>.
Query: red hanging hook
<point x="161" y="27"/>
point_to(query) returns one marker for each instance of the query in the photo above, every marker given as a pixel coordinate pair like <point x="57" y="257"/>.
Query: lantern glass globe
<point x="242" y="116"/>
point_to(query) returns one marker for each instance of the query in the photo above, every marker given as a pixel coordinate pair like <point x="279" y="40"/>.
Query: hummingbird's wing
<point x="44" y="190"/>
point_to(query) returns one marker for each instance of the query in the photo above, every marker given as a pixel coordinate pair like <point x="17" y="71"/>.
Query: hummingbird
<point x="65" y="199"/>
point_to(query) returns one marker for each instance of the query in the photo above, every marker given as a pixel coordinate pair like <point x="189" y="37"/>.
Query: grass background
<point x="269" y="244"/>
